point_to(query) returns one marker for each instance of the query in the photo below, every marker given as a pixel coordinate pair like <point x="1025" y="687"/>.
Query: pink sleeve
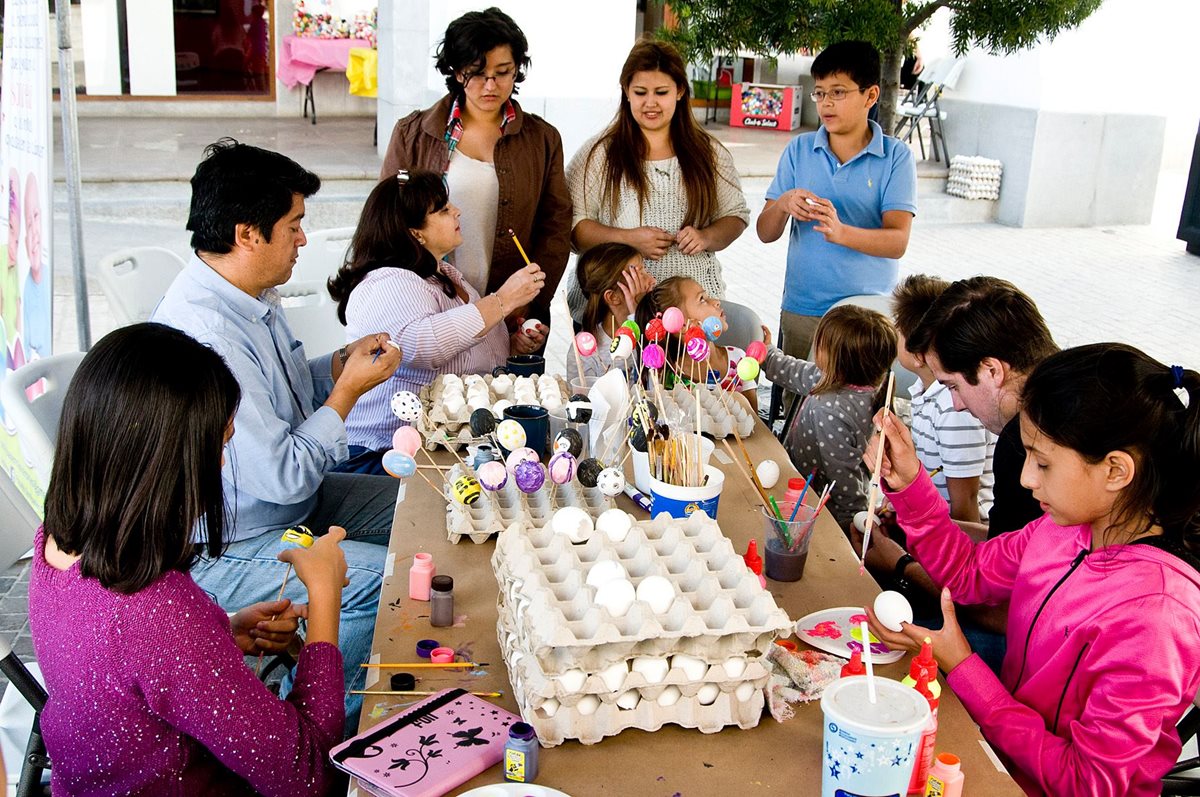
<point x="975" y="572"/>
<point x="1138" y="675"/>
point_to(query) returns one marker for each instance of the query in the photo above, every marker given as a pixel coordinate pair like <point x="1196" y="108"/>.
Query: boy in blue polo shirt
<point x="850" y="192"/>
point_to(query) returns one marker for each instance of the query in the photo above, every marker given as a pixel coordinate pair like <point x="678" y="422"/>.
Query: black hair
<point x="911" y="302"/>
<point x="1107" y="397"/>
<point x="138" y="456"/>
<point x="236" y="184"/>
<point x="857" y="60"/>
<point x="471" y="37"/>
<point x="985" y="317"/>
<point x="384" y="238"/>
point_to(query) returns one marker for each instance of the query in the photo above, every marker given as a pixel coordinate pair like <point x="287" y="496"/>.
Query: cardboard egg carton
<point x="440" y="427"/>
<point x="495" y="511"/>
<point x="719" y="609"/>
<point x="719" y="414"/>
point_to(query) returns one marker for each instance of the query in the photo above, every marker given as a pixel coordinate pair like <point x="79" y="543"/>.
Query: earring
<point x="420" y="240"/>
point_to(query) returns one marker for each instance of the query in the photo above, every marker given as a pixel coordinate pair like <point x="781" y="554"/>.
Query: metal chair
<point x="36" y="419"/>
<point x="36" y="761"/>
<point x="135" y="279"/>
<point x="745" y="325"/>
<point x="1184" y="777"/>
<point x="922" y="103"/>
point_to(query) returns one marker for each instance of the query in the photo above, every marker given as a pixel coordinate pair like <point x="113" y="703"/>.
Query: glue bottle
<point x="855" y="665"/>
<point x="755" y="562"/>
<point x="945" y="777"/>
<point x="924" y="758"/>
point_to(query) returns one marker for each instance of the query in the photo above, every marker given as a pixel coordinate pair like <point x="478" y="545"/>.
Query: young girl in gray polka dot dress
<point x="839" y="391"/>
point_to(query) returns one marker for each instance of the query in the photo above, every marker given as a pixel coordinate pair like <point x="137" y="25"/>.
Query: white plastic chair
<point x="36" y="420"/>
<point x="322" y="256"/>
<point x="135" y="279"/>
<point x="744" y="325"/>
<point x="881" y="304"/>
<point x="312" y="315"/>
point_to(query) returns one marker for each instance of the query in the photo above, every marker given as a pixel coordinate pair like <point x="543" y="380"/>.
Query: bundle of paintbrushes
<point x="792" y="534"/>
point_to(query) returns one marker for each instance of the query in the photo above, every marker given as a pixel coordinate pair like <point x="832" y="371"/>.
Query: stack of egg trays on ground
<point x="495" y="511"/>
<point x="720" y="412"/>
<point x="441" y="428"/>
<point x="550" y="629"/>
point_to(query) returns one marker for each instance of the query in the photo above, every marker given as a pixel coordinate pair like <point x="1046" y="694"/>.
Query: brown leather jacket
<point x="533" y="203"/>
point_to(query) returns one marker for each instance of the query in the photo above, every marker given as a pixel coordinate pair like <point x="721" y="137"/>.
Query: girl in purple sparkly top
<point x="149" y="690"/>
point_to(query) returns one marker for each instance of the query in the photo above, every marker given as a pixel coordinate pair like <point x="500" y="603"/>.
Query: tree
<point x="773" y="27"/>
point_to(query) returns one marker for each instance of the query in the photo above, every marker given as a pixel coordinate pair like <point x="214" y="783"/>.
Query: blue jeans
<point x="363" y="460"/>
<point x="249" y="572"/>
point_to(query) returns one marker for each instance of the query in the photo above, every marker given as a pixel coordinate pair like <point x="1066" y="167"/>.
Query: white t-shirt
<point x="475" y="190"/>
<point x="954" y="441"/>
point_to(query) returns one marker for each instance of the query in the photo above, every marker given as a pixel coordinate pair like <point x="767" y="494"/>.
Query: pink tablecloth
<point x="301" y="57"/>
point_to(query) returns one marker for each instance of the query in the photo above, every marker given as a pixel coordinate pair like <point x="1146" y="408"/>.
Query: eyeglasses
<point x="500" y="78"/>
<point x="837" y="95"/>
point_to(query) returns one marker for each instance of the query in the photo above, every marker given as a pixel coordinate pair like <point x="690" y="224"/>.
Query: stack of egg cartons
<point x="974" y="177"/>
<point x="585" y="666"/>
<point x="720" y="412"/>
<point x="494" y="511"/>
<point x="450" y="399"/>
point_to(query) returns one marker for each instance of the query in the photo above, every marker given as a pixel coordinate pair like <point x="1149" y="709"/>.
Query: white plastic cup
<point x="870" y="748"/>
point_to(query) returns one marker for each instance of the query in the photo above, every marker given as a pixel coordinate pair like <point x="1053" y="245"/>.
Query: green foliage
<point x="1005" y="26"/>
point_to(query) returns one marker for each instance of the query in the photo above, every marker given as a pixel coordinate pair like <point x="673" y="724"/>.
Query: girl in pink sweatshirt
<point x="1103" y="591"/>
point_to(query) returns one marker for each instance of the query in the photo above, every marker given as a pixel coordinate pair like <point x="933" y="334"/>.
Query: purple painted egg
<point x="529" y="476"/>
<point x="562" y="467"/>
<point x="697" y="349"/>
<point x="492" y="475"/>
<point x="653" y="356"/>
<point x="518" y="456"/>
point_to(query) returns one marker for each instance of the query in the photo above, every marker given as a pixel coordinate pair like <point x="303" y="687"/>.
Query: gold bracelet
<point x="503" y="310"/>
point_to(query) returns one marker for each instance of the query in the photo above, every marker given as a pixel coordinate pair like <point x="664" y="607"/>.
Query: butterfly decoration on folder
<point x="469" y="737"/>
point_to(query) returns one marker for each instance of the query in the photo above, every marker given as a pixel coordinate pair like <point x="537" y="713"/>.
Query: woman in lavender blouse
<point x="149" y="690"/>
<point x="395" y="278"/>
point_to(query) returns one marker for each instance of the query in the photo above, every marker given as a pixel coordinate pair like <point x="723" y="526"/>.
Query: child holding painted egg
<point x="836" y="395"/>
<point x="613" y="279"/>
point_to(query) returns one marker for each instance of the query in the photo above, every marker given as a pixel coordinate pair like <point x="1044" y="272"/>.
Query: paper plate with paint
<point x="514" y="790"/>
<point x="839" y="631"/>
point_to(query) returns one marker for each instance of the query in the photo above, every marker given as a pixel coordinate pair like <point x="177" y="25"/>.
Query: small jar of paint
<point x="795" y="488"/>
<point x="419" y="576"/>
<point x="441" y="601"/>
<point x="521" y="754"/>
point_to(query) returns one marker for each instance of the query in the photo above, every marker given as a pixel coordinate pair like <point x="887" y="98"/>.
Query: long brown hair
<point x="598" y="271"/>
<point x="859" y="346"/>
<point x="624" y="145"/>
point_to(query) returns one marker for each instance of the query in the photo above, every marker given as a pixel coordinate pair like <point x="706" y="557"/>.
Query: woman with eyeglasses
<point x="503" y="167"/>
<point x="655" y="180"/>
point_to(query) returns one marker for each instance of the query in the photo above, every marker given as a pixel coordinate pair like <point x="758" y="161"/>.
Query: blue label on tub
<point x="681" y="509"/>
<point x="844" y="793"/>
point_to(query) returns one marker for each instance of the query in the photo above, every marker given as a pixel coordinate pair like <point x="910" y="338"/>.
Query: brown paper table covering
<point x="774" y="757"/>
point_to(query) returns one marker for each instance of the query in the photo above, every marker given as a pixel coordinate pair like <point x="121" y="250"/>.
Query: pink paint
<point x="826" y="629"/>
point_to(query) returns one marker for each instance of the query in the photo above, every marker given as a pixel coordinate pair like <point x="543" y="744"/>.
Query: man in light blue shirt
<point x="289" y="430"/>
<point x="849" y="192"/>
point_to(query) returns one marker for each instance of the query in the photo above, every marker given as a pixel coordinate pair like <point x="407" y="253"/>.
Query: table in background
<point x="302" y="57"/>
<point x="672" y="759"/>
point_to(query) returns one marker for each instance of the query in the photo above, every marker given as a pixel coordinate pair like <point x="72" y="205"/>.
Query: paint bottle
<point x="419" y="576"/>
<point x="924" y="662"/>
<point x="855" y="665"/>
<point x="521" y="754"/>
<point x="920" y="775"/>
<point x="755" y="562"/>
<point x="794" y="489"/>
<point x="441" y="601"/>
<point x="945" y="777"/>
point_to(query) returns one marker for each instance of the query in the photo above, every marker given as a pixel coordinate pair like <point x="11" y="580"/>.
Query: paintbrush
<point x="417" y="694"/>
<point x="873" y="495"/>
<point x="424" y="665"/>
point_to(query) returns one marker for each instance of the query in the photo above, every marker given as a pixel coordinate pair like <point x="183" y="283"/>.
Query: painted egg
<point x="482" y="422"/>
<point x="768" y="473"/>
<point x="406" y="406"/>
<point x="466" y="490"/>
<point x="707" y="695"/>
<point x="406" y="439"/>
<point x="529" y="476"/>
<point x="569" y="440"/>
<point x="493" y="475"/>
<point x="747" y="369"/>
<point x="637" y="437"/>
<point x="574" y="524"/>
<point x="399" y="464"/>
<point x="644" y="408"/>
<point x="657" y="592"/>
<point x="653" y="356"/>
<point x="633" y="327"/>
<point x="611" y="481"/>
<point x="518" y="456"/>
<point x="614" y="524"/>
<point x="892" y="609"/>
<point x="712" y="326"/>
<point x="585" y="343"/>
<point x="697" y="349"/>
<point x="588" y="471"/>
<point x="653" y="668"/>
<point x="616" y="596"/>
<point x="531" y="325"/>
<point x="673" y="320"/>
<point x="655" y="331"/>
<point x="562" y="467"/>
<point x="621" y="347"/>
<point x="579" y="409"/>
<point x="603" y="571"/>
<point x="757" y="349"/>
<point x="510" y="434"/>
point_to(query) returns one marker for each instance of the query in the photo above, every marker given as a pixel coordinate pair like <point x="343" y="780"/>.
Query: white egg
<point x="735" y="666"/>
<point x="552" y="402"/>
<point x="471" y="379"/>
<point x="616" y="596"/>
<point x="744" y="692"/>
<point x="572" y="680"/>
<point x="453" y="379"/>
<point x="604" y="571"/>
<point x="614" y="524"/>
<point x="653" y="668"/>
<point x="587" y="705"/>
<point x="614" y="675"/>
<point x="574" y="524"/>
<point x="670" y="696"/>
<point x="531" y="325"/>
<point x="656" y="591"/>
<point x="768" y="473"/>
<point x="453" y="404"/>
<point x="691" y="666"/>
<point x="629" y="700"/>
<point x="502" y="384"/>
<point x="892" y="609"/>
<point x="500" y="406"/>
<point x="549" y="707"/>
<point x="706" y="696"/>
<point x="479" y="402"/>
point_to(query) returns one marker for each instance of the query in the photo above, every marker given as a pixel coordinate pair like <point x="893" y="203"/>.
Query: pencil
<point x="520" y="248"/>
